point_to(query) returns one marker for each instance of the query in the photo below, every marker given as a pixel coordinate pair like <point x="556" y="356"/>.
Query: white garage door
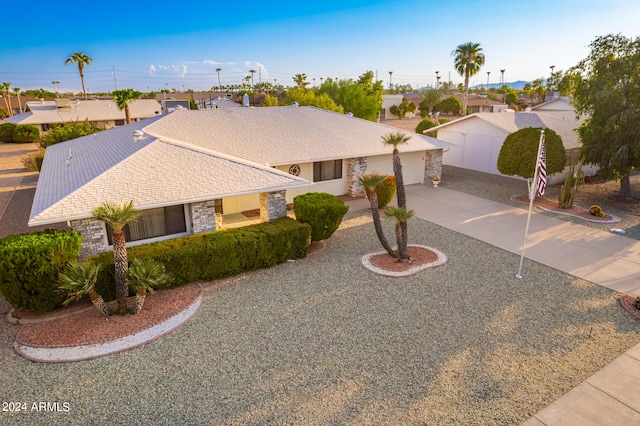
<point x="412" y="166"/>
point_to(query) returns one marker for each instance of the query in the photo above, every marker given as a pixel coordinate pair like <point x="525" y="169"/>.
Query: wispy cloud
<point x="152" y="69"/>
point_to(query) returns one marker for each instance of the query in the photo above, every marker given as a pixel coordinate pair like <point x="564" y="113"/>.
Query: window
<point x="154" y="223"/>
<point x="327" y="170"/>
<point x="217" y="205"/>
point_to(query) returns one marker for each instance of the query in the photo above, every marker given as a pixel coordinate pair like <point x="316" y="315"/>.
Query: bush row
<point x="9" y="132"/>
<point x="213" y="255"/>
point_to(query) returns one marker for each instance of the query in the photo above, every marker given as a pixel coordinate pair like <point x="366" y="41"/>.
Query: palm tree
<point x="218" y="71"/>
<point x="370" y="183"/>
<point x="123" y="98"/>
<point x="16" y="90"/>
<point x="146" y="274"/>
<point x="395" y="139"/>
<point x="468" y="58"/>
<point x="117" y="216"/>
<point x="252" y="73"/>
<point x="5" y="88"/>
<point x="401" y="215"/>
<point x="81" y="59"/>
<point x="301" y="80"/>
<point x="80" y="279"/>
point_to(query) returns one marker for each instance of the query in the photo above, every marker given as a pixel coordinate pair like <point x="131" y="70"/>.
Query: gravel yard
<point x="325" y="341"/>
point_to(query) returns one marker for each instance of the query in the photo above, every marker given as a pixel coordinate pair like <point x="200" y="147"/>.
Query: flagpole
<point x="532" y="195"/>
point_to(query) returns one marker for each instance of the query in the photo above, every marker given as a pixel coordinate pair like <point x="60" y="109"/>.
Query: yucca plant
<point x="80" y="279"/>
<point x="146" y="274"/>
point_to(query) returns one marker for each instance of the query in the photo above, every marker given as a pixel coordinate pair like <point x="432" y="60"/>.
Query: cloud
<point x="181" y="70"/>
<point x="210" y="62"/>
<point x="152" y="69"/>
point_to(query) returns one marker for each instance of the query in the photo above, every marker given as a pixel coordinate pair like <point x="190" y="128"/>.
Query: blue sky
<point x="179" y="44"/>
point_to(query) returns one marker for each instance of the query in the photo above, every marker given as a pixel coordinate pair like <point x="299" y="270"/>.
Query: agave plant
<point x="80" y="279"/>
<point x="146" y="274"/>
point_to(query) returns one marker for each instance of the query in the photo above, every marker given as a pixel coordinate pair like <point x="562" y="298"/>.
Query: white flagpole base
<point x="518" y="276"/>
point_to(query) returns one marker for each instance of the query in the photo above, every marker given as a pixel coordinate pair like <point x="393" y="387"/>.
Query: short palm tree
<point x="468" y="58"/>
<point x="117" y="216"/>
<point x="370" y="183"/>
<point x="146" y="274"/>
<point x="401" y="215"/>
<point x="82" y="59"/>
<point x="123" y="98"/>
<point x="80" y="279"/>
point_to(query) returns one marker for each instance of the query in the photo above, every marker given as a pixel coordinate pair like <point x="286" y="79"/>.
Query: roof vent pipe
<point x="137" y="135"/>
<point x="349" y="114"/>
<point x="294" y="104"/>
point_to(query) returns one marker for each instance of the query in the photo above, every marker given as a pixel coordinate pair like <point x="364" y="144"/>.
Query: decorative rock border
<point x="85" y="352"/>
<point x="441" y="260"/>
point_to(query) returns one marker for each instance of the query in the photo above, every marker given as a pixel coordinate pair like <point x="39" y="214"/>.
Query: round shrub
<point x="424" y="125"/>
<point x="385" y="191"/>
<point x="30" y="265"/>
<point x="26" y="133"/>
<point x="518" y="153"/>
<point x="596" y="210"/>
<point x="323" y="211"/>
<point x="6" y="132"/>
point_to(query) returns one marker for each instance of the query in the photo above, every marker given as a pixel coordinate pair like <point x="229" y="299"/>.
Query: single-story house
<point x="184" y="167"/>
<point x="481" y="103"/>
<point x="479" y="137"/>
<point x="102" y="113"/>
<point x="390" y="100"/>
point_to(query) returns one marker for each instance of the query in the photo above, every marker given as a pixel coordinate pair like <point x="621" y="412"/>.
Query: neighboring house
<point x="387" y="102"/>
<point x="102" y="113"/>
<point x="479" y="137"/>
<point x="202" y="99"/>
<point x="481" y="103"/>
<point x="184" y="167"/>
<point x="17" y="103"/>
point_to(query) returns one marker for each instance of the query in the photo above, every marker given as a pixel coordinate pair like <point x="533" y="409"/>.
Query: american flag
<point x="542" y="165"/>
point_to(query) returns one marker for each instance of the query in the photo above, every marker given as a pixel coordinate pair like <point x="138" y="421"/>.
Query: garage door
<point x="412" y="166"/>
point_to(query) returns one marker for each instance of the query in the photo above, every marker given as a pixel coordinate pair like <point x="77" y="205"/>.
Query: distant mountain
<point x="518" y="85"/>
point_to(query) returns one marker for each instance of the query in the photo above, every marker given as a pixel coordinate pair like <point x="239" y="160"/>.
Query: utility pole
<point x="114" y="77"/>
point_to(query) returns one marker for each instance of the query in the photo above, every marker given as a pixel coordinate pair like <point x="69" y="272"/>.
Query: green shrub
<point x="38" y="162"/>
<point x="596" y="210"/>
<point x="26" y="133"/>
<point x="65" y="132"/>
<point x="323" y="211"/>
<point x="6" y="132"/>
<point x="517" y="155"/>
<point x="30" y="264"/>
<point x="424" y="125"/>
<point x="451" y="105"/>
<point x="213" y="255"/>
<point x="385" y="191"/>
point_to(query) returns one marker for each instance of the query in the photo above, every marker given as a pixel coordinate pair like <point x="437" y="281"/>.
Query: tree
<point x="518" y="153"/>
<point x="430" y="99"/>
<point x="16" y="90"/>
<point x="301" y="80"/>
<point x="80" y="279"/>
<point x="123" y="98"/>
<point x="401" y="215"/>
<point x="5" y="88"/>
<point x="394" y="140"/>
<point x="306" y="97"/>
<point x="117" y="217"/>
<point x="468" y="59"/>
<point x="82" y="59"/>
<point x="145" y="275"/>
<point x="370" y="183"/>
<point x="536" y="90"/>
<point x="609" y="94"/>
<point x="219" y="84"/>
<point x="450" y="105"/>
<point x="252" y="74"/>
<point x="401" y="110"/>
<point x="363" y="98"/>
<point x="425" y="124"/>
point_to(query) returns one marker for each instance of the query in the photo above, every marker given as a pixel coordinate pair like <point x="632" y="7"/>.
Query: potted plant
<point x="435" y="180"/>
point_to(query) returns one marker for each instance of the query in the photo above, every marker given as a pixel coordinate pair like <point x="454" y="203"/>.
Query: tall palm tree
<point x="218" y="71"/>
<point x="468" y="59"/>
<point x="123" y="98"/>
<point x="5" y="88"/>
<point x="370" y="183"/>
<point x="252" y="73"/>
<point x="117" y="216"/>
<point x="80" y="279"/>
<point x="396" y="139"/>
<point x="16" y="90"/>
<point x="82" y="59"/>
<point x="401" y="215"/>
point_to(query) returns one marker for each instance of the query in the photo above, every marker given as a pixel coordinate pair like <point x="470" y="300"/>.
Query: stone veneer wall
<point x="432" y="165"/>
<point x="272" y="205"/>
<point x="356" y="167"/>
<point x="203" y="217"/>
<point x="94" y="238"/>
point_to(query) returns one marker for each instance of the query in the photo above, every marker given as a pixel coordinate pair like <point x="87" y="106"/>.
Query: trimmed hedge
<point x="30" y="264"/>
<point x="213" y="255"/>
<point x="323" y="211"/>
<point x="6" y="132"/>
<point x="26" y="133"/>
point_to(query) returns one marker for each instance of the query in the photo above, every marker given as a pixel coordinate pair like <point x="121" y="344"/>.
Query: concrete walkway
<point x="609" y="397"/>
